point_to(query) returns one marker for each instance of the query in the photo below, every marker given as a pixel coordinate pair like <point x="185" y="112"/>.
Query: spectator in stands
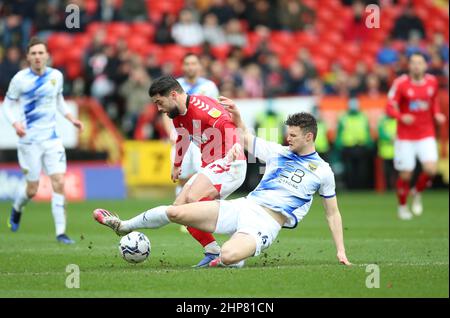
<point x="135" y="93"/>
<point x="152" y="66"/>
<point x="322" y="141"/>
<point x="9" y="66"/>
<point x="222" y="10"/>
<point x="163" y="34"/>
<point x="415" y="44"/>
<point x="387" y="127"/>
<point x="304" y="56"/>
<point x="49" y="18"/>
<point x="387" y="55"/>
<point x="132" y="11"/>
<point x="187" y="32"/>
<point x="355" y="144"/>
<point x="252" y="81"/>
<point x="356" y="29"/>
<point x="213" y="33"/>
<point x="274" y="77"/>
<point x="372" y="86"/>
<point x="293" y="15"/>
<point x="107" y="11"/>
<point x="18" y="22"/>
<point x="440" y="46"/>
<point x="406" y="23"/>
<point x="261" y="12"/>
<point x="234" y="35"/>
<point x="296" y="79"/>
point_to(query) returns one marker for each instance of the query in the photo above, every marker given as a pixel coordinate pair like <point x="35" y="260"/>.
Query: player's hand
<point x="79" y="124"/>
<point x="342" y="258"/>
<point x="231" y="107"/>
<point x="176" y="171"/>
<point x="407" y="119"/>
<point x="233" y="153"/>
<point x="440" y="118"/>
<point x="20" y="130"/>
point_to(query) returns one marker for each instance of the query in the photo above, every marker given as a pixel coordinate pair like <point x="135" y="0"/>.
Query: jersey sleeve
<point x="394" y="96"/>
<point x="14" y="92"/>
<point x="212" y="90"/>
<point x="263" y="149"/>
<point x="327" y="185"/>
<point x="60" y="102"/>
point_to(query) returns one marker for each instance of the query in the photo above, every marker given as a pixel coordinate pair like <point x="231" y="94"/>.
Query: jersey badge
<point x="53" y="81"/>
<point x="214" y="113"/>
<point x="312" y="167"/>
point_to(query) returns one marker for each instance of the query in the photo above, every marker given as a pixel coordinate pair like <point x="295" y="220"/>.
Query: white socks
<point x="21" y="199"/>
<point x="151" y="219"/>
<point x="59" y="213"/>
<point x="212" y="248"/>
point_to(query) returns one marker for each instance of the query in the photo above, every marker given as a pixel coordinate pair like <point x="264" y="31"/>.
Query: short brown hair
<point x="305" y="121"/>
<point x="35" y="41"/>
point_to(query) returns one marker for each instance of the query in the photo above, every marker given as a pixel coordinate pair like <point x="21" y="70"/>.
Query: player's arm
<point x="246" y="135"/>
<point x="168" y="127"/>
<point x="11" y="101"/>
<point x="64" y="110"/>
<point x="335" y="224"/>
<point x="436" y="107"/>
<point x="392" y="107"/>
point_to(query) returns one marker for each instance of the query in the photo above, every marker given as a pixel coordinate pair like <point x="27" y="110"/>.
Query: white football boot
<point x="416" y="206"/>
<point x="404" y="213"/>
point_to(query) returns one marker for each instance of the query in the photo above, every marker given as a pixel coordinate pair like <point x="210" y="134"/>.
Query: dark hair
<point x="418" y="53"/>
<point x="35" y="41"/>
<point x="164" y="85"/>
<point x="190" y="54"/>
<point x="305" y="121"/>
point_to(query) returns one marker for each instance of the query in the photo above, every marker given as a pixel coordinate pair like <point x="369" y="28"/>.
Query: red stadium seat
<point x="59" y="40"/>
<point x="220" y="52"/>
<point x="58" y="58"/>
<point x="119" y="29"/>
<point x="73" y="70"/>
<point x="144" y="29"/>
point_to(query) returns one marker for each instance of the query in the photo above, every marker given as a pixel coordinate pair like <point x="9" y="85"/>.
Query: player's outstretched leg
<point x="109" y="219"/>
<point x="423" y="182"/>
<point x="402" y="195"/>
<point x="21" y="199"/>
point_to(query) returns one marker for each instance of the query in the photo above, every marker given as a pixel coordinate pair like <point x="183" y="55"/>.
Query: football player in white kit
<point x="37" y="90"/>
<point x="282" y="198"/>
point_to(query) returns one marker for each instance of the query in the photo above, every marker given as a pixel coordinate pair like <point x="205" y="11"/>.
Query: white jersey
<point x="202" y="86"/>
<point x="290" y="180"/>
<point x="39" y="97"/>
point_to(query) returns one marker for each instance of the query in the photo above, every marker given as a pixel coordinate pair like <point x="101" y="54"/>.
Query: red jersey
<point x="209" y="126"/>
<point x="417" y="99"/>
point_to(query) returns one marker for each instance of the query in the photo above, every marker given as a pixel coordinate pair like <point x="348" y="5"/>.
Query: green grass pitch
<point x="412" y="255"/>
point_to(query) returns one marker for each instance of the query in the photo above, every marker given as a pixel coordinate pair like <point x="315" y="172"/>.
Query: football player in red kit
<point x="208" y="125"/>
<point x="412" y="100"/>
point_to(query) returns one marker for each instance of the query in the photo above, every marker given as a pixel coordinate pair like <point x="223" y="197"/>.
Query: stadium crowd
<point x="250" y="49"/>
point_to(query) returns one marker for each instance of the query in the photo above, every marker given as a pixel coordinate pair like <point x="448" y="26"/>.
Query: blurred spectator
<point x="49" y="18"/>
<point x="262" y="13"/>
<point x="135" y="93"/>
<point x="132" y="11"/>
<point x="372" y="86"/>
<point x="440" y="45"/>
<point x="107" y="11"/>
<point x="212" y="32"/>
<point x="406" y="23"/>
<point x="18" y="22"/>
<point x="239" y="8"/>
<point x="152" y="66"/>
<point x="252" y="81"/>
<point x="9" y="66"/>
<point x="187" y="32"/>
<point x="356" y="28"/>
<point x="234" y="35"/>
<point x="163" y="34"/>
<point x="222" y="10"/>
<point x="274" y="77"/>
<point x="387" y="54"/>
<point x="293" y="15"/>
<point x="415" y="44"/>
<point x="304" y="57"/>
<point x="355" y="144"/>
<point x="436" y="66"/>
<point x="297" y="79"/>
<point x="387" y="127"/>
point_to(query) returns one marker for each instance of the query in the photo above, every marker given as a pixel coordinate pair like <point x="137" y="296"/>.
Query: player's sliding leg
<point x="58" y="208"/>
<point x="234" y="251"/>
<point x="402" y="186"/>
<point x="202" y="215"/>
<point x="202" y="189"/>
<point x="423" y="181"/>
<point x="23" y="196"/>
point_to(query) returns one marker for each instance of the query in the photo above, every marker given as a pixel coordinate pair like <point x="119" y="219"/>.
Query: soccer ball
<point x="135" y="247"/>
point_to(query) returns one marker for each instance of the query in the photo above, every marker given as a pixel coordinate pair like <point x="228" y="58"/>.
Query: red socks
<point x="402" y="191"/>
<point x="203" y="238"/>
<point x="423" y="182"/>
